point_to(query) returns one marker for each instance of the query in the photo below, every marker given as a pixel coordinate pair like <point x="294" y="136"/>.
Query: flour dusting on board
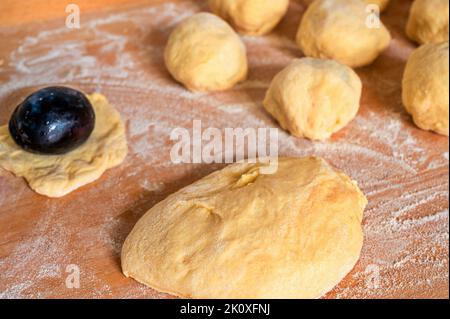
<point x="402" y="170"/>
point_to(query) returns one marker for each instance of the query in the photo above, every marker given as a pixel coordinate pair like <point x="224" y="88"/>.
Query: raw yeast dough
<point x="240" y="234"/>
<point x="58" y="175"/>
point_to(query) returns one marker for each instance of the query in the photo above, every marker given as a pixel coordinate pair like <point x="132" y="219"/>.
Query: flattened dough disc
<point x="58" y="175"/>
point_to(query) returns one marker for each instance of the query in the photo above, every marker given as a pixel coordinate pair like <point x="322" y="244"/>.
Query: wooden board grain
<point x="16" y="13"/>
<point x="118" y="51"/>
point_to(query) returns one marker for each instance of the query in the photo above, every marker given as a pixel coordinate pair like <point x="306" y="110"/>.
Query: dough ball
<point x="428" y="21"/>
<point x="314" y="98"/>
<point x="382" y="4"/>
<point x="205" y="54"/>
<point x="425" y="87"/>
<point x="338" y="30"/>
<point x="240" y="234"/>
<point x="58" y="175"/>
<point x="254" y="17"/>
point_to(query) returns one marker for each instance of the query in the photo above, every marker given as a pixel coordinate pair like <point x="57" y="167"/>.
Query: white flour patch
<point x="152" y="186"/>
<point x="15" y="291"/>
<point x="49" y="271"/>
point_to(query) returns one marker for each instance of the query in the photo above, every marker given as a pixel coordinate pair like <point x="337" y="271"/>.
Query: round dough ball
<point x="425" y="87"/>
<point x="382" y="4"/>
<point x="240" y="234"/>
<point x="337" y="29"/>
<point x="254" y="17"/>
<point x="428" y="21"/>
<point x="205" y="54"/>
<point x="314" y="98"/>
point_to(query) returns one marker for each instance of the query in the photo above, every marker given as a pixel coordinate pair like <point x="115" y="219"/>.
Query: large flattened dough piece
<point x="240" y="234"/>
<point x="58" y="175"/>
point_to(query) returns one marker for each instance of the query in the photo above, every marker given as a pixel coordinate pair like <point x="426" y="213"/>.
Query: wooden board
<point x="118" y="51"/>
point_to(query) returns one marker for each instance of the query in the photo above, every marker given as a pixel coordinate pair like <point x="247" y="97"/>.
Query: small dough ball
<point x="205" y="54"/>
<point x="314" y="98"/>
<point x="428" y="21"/>
<point x="337" y="29"/>
<point x="238" y="233"/>
<point x="382" y="4"/>
<point x="425" y="87"/>
<point x="254" y="17"/>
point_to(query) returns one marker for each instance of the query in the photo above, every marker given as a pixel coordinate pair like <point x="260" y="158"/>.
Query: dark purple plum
<point x="52" y="121"/>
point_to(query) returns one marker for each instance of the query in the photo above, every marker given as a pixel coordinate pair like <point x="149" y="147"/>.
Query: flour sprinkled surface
<point x="402" y="170"/>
